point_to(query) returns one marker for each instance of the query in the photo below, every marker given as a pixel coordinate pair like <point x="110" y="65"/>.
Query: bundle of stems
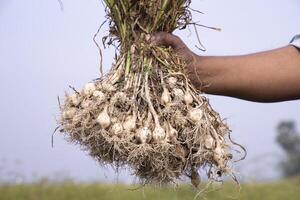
<point x="145" y="114"/>
<point x="129" y="18"/>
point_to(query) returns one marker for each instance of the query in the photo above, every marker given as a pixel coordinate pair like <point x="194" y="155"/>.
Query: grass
<point x="287" y="190"/>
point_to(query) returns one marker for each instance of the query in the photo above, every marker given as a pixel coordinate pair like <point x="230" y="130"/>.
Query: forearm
<point x="264" y="77"/>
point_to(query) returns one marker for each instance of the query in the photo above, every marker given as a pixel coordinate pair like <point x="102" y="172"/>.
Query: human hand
<point x="270" y="76"/>
<point x="180" y="48"/>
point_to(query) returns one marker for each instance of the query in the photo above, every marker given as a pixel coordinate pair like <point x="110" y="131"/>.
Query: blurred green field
<point x="284" y="190"/>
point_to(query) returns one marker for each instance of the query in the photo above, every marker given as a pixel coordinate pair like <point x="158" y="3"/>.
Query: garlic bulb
<point x="158" y="134"/>
<point x="172" y="133"/>
<point x="178" y="93"/>
<point x="195" y="115"/>
<point x="188" y="99"/>
<point x="165" y="97"/>
<point x="143" y="135"/>
<point x="69" y="113"/>
<point x="89" y="89"/>
<point x="74" y="99"/>
<point x="114" y="120"/>
<point x="103" y="119"/>
<point x="99" y="95"/>
<point x="120" y="95"/>
<point x="117" y="129"/>
<point x="108" y="87"/>
<point x="219" y="151"/>
<point x="172" y="81"/>
<point x="209" y="142"/>
<point x="218" y="156"/>
<point x="86" y="104"/>
<point x="130" y="123"/>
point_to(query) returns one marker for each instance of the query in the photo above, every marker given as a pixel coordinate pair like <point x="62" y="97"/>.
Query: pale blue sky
<point x="43" y="50"/>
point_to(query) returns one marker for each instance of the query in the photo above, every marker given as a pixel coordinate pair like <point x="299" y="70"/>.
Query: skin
<point x="270" y="76"/>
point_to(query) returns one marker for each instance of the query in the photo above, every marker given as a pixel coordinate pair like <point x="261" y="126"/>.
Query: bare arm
<point x="270" y="76"/>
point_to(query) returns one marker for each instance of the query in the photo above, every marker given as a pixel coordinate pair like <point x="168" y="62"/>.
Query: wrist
<point x="198" y="72"/>
<point x="209" y="74"/>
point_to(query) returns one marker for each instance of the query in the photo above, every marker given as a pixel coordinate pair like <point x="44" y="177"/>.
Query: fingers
<point x="168" y="40"/>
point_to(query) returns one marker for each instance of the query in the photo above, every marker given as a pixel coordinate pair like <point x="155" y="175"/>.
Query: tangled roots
<point x="145" y="114"/>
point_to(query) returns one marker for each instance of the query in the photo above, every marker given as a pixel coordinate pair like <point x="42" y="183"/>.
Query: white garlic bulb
<point x="86" y="104"/>
<point x="108" y="87"/>
<point x="178" y="94"/>
<point x="120" y="95"/>
<point x="69" y="113"/>
<point x="103" y="119"/>
<point x="188" y="99"/>
<point x="209" y="142"/>
<point x="99" y="95"/>
<point x="117" y="129"/>
<point x="158" y="134"/>
<point x="219" y="151"/>
<point x="89" y="89"/>
<point x="143" y="135"/>
<point x="165" y="97"/>
<point x="130" y="123"/>
<point x="172" y="133"/>
<point x="74" y="99"/>
<point x="195" y="115"/>
<point x="172" y="81"/>
<point x="218" y="156"/>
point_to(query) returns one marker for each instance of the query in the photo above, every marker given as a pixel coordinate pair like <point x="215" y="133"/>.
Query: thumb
<point x="168" y="40"/>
